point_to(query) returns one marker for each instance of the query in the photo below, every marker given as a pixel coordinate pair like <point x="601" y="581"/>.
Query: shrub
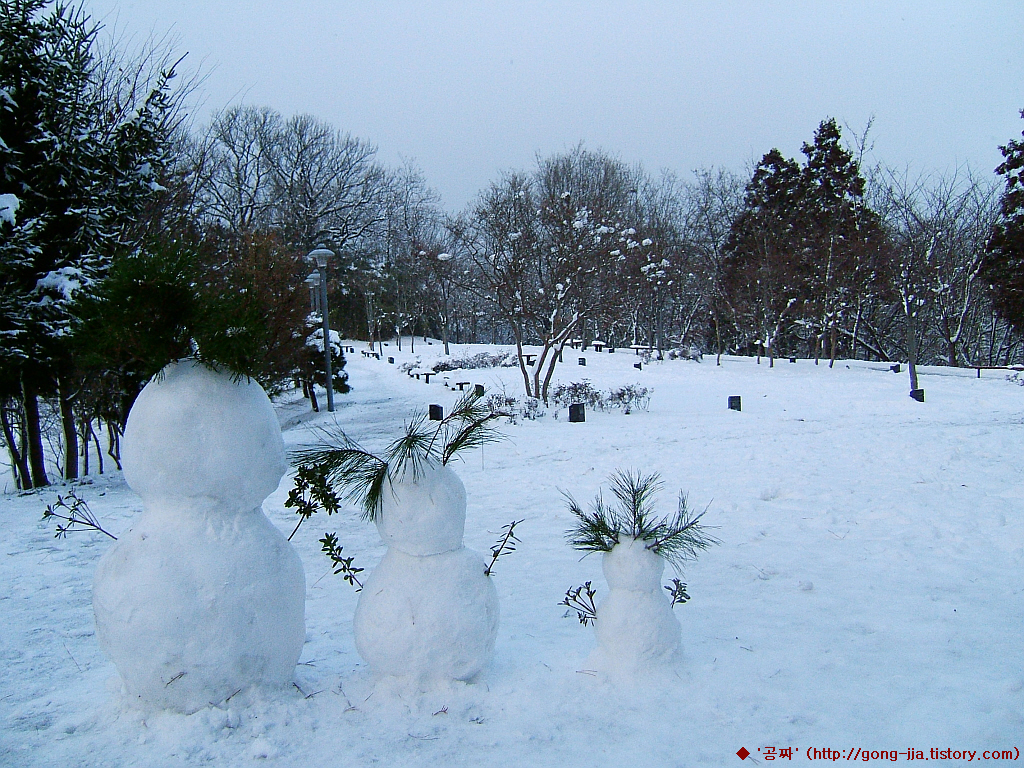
<point x="479" y="360"/>
<point x="629" y="397"/>
<point x="584" y="392"/>
<point x="691" y="352"/>
<point x="509" y="407"/>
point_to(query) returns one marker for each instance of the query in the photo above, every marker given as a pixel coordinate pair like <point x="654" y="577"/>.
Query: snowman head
<point x="193" y="433"/>
<point x="632" y="566"/>
<point x="423" y="512"/>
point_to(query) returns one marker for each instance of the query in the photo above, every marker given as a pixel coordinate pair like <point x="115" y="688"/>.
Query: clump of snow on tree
<point x="9" y="205"/>
<point x="427" y="613"/>
<point x="203" y="597"/>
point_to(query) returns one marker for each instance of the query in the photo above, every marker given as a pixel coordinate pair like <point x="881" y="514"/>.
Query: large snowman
<point x="203" y="597"/>
<point x="427" y="612"/>
<point x="636" y="628"/>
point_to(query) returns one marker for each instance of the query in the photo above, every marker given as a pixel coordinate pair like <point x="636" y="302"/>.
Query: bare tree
<point x="713" y="201"/>
<point x="326" y="186"/>
<point x="234" y="168"/>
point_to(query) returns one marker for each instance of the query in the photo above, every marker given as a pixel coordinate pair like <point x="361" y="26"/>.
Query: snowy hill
<point x="866" y="593"/>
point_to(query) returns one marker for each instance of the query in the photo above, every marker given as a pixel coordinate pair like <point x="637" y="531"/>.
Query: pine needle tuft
<point x="678" y="538"/>
<point x="361" y="476"/>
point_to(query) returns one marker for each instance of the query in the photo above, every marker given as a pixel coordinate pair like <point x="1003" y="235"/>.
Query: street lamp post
<point x="320" y="256"/>
<point x="313" y="281"/>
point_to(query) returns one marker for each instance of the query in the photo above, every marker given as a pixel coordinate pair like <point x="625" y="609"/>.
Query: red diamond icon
<point x="743" y="753"/>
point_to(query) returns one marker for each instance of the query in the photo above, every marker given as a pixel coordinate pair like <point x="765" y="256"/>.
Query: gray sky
<point x="470" y="89"/>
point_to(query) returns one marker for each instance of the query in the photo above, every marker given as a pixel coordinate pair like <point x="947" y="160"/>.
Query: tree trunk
<point x="718" y="339"/>
<point x="19" y="463"/>
<point x="912" y="350"/>
<point x="83" y="431"/>
<point x="556" y="354"/>
<point x="67" y="419"/>
<point x="114" y="443"/>
<point x="856" y="328"/>
<point x="99" y="451"/>
<point x="522" y="362"/>
<point x="33" y="435"/>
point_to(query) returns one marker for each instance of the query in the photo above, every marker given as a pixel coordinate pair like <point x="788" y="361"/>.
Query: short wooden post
<point x="734" y="403"/>
<point x="583" y="361"/>
<point x="436" y="412"/>
<point x="479" y="390"/>
<point x="577" y="413"/>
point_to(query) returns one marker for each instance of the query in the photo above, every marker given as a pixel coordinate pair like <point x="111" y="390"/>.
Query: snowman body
<point x="203" y="596"/>
<point x="428" y="611"/>
<point x="635" y="625"/>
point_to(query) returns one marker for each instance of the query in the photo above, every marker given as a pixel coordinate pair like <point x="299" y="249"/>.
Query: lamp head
<point x="320" y="256"/>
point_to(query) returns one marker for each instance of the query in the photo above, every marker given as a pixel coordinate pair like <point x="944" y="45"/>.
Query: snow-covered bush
<point x="479" y="360"/>
<point x="691" y="352"/>
<point x="629" y="397"/>
<point x="634" y="624"/>
<point x="411" y="365"/>
<point x="511" y="408"/>
<point x="564" y="395"/>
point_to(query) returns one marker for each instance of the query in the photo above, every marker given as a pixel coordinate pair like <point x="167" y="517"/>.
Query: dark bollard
<point x="638" y="366"/>
<point x="610" y="350"/>
<point x="583" y="361"/>
<point x="391" y="360"/>
<point x="436" y="413"/>
<point x="479" y="390"/>
<point x="895" y="368"/>
<point x="734" y="403"/>
<point x="577" y="413"/>
<point x="917" y="394"/>
<point x="792" y="359"/>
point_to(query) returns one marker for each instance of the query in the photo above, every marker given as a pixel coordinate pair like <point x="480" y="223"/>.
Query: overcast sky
<point x="470" y="89"/>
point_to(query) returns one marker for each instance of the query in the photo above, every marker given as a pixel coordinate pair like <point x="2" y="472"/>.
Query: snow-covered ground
<point x="866" y="594"/>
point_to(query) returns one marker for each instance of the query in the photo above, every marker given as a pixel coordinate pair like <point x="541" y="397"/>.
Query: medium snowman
<point x="427" y="612"/>
<point x="635" y="626"/>
<point x="203" y="597"/>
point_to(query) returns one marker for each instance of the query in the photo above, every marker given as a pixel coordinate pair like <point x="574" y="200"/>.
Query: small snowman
<point x="203" y="597"/>
<point x="428" y="612"/>
<point x="635" y="627"/>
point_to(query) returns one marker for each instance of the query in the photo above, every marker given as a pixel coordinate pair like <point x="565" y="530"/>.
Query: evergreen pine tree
<point x="1004" y="263"/>
<point x="78" y="169"/>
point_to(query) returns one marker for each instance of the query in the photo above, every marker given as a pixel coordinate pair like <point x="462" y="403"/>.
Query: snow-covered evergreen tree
<point x="1004" y="266"/>
<point x="78" y="162"/>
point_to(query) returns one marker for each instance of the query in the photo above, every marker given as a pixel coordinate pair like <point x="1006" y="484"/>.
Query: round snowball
<point x="195" y="433"/>
<point x="630" y="565"/>
<point x="427" y="618"/>
<point x="192" y="607"/>
<point x="423" y="512"/>
<point x="636" y="630"/>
